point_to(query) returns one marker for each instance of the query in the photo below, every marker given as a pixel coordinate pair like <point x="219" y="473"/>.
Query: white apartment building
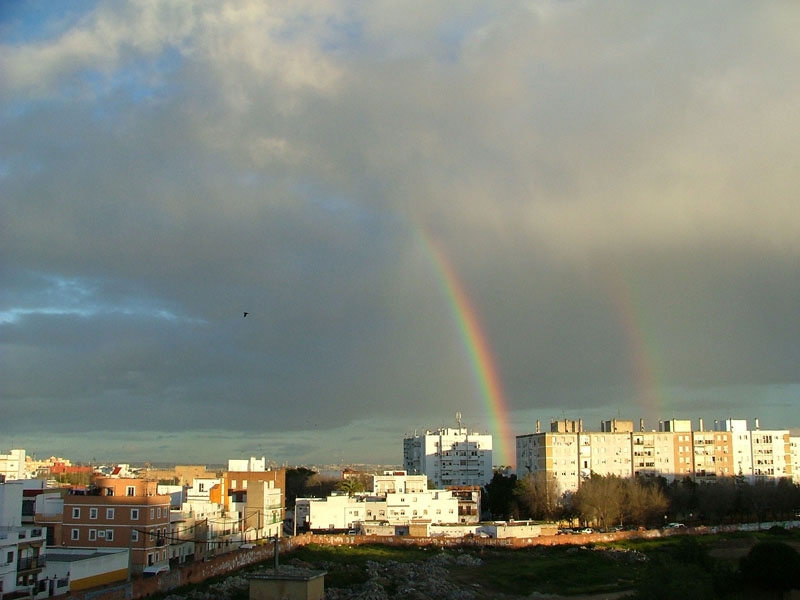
<point x="675" y="450"/>
<point x="772" y="458"/>
<point x="22" y="548"/>
<point x="12" y="465"/>
<point x="398" y="502"/>
<point x="742" y="446"/>
<point x="449" y="456"/>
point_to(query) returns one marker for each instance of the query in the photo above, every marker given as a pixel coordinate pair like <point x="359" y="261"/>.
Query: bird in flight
<point x="245" y="315"/>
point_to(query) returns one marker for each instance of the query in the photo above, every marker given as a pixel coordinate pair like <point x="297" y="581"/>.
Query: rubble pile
<point x="413" y="580"/>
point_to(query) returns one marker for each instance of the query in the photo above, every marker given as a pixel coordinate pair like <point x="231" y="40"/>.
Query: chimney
<point x="641" y="424"/>
<point x="758" y="425"/>
<point x="701" y="425"/>
<point x="538" y="426"/>
<point x="580" y="425"/>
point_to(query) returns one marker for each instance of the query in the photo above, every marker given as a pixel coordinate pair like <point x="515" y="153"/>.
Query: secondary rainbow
<point x="642" y="354"/>
<point x="478" y="349"/>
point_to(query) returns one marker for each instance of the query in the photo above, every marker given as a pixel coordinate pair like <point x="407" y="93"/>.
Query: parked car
<point x="674" y="526"/>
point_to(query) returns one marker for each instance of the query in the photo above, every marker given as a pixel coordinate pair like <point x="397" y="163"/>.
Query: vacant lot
<point x="681" y="566"/>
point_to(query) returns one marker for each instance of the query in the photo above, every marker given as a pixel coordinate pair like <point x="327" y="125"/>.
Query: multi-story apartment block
<point x="22" y="547"/>
<point x="449" y="456"/>
<point x="713" y="455"/>
<point x="675" y="450"/>
<point x="772" y="458"/>
<point x="119" y="513"/>
<point x="253" y="498"/>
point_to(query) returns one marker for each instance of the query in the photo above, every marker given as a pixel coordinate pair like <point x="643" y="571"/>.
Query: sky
<point x="515" y="211"/>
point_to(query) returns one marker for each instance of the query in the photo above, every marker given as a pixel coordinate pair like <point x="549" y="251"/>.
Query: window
<point x="152" y="513"/>
<point x="134" y="514"/>
<point x="130" y="491"/>
<point x="76" y="534"/>
<point x="92" y="513"/>
<point x="109" y="535"/>
<point x="76" y="513"/>
<point x="92" y="535"/>
<point x="110" y="513"/>
<point x="134" y="535"/>
<point x="158" y="512"/>
<point x="10" y="557"/>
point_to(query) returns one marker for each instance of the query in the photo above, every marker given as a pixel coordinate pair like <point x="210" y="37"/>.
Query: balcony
<point x="31" y="563"/>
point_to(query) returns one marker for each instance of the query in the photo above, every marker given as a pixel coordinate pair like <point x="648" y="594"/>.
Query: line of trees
<point x="609" y="501"/>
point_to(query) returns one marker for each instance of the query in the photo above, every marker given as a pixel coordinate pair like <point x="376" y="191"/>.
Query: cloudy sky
<point x="612" y="187"/>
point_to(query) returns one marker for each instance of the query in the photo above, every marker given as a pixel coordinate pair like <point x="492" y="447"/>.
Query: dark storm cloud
<point x="613" y="185"/>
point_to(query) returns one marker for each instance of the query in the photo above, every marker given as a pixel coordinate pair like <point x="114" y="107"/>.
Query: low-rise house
<point x="398" y="500"/>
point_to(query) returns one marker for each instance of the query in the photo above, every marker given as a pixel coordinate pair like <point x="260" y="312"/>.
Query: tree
<point x="717" y="500"/>
<point x="539" y="495"/>
<point x="351" y="485"/>
<point x="499" y="497"/>
<point x="644" y="502"/>
<point x="296" y="483"/>
<point x="600" y="499"/>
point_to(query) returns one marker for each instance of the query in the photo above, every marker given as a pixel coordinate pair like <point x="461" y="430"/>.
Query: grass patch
<point x="347" y="565"/>
<point x="566" y="570"/>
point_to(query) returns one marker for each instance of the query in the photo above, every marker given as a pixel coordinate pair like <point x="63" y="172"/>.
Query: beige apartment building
<point x="673" y="451"/>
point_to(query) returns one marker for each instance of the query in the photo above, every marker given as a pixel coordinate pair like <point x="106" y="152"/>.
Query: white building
<point x="200" y="492"/>
<point x="449" y="456"/>
<point x="247" y="465"/>
<point x="399" y="499"/>
<point x="771" y="454"/>
<point x="22" y="548"/>
<point x="12" y="465"/>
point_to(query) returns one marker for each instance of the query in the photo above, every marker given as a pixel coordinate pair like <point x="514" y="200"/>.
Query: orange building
<point x="123" y="513"/>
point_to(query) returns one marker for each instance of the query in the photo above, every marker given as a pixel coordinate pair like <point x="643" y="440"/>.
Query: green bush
<point x="771" y="566"/>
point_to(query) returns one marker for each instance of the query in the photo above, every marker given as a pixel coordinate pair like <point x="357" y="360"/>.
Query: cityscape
<point x="119" y="521"/>
<point x="281" y="276"/>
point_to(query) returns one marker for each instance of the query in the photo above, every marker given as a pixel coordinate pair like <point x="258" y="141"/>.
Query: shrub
<point x="771" y="566"/>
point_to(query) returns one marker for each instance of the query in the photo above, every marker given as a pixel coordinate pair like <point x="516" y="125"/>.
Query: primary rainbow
<point x="478" y="349"/>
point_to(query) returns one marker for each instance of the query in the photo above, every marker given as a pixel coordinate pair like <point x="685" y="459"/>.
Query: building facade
<point x="399" y="499"/>
<point x="22" y="547"/>
<point x="119" y="513"/>
<point x="12" y="465"/>
<point x="673" y="451"/>
<point x="449" y="456"/>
